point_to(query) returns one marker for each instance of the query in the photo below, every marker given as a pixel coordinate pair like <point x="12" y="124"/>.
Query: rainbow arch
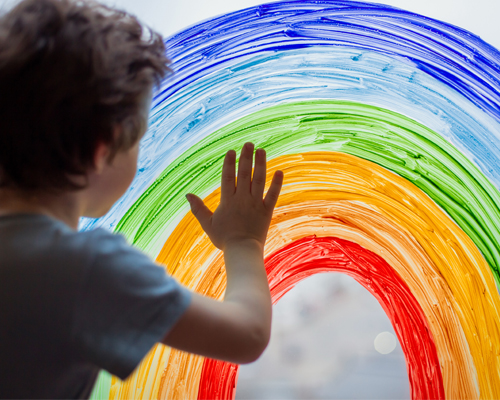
<point x="387" y="125"/>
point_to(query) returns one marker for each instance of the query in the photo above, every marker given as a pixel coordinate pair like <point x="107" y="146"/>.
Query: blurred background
<point x="330" y="340"/>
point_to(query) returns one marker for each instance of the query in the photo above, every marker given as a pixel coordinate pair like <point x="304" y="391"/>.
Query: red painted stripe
<point x="218" y="380"/>
<point x="311" y="255"/>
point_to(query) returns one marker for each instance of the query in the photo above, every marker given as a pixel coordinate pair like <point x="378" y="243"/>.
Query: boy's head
<point x="71" y="73"/>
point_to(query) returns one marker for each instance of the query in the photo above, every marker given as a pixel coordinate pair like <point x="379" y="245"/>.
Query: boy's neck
<point x="66" y="207"/>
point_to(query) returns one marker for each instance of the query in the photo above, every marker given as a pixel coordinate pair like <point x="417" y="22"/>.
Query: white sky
<point x="170" y="16"/>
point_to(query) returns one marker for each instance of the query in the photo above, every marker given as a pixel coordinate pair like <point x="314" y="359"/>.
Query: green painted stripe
<point x="102" y="387"/>
<point x="384" y="137"/>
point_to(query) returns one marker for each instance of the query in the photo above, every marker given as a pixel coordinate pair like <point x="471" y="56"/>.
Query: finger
<point x="228" y="174"/>
<point x="245" y="169"/>
<point x="274" y="191"/>
<point x="259" y="174"/>
<point x="201" y="212"/>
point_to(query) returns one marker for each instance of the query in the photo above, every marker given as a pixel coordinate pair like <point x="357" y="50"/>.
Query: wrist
<point x="244" y="242"/>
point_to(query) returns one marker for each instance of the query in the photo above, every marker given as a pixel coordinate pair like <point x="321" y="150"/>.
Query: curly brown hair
<point x="70" y="71"/>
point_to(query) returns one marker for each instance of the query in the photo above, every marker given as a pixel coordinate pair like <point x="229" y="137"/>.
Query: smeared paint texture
<point x="389" y="139"/>
<point x="387" y="125"/>
<point x="355" y="200"/>
<point x="311" y="255"/>
<point x="218" y="380"/>
<point x="433" y="72"/>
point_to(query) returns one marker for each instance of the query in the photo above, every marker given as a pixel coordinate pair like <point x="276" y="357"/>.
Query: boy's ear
<point x="103" y="152"/>
<point x="101" y="157"/>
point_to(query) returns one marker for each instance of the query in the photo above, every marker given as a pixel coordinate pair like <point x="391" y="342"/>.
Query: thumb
<point x="201" y="212"/>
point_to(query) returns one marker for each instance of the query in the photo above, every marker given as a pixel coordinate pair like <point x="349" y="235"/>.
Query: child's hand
<point x="237" y="329"/>
<point x="242" y="213"/>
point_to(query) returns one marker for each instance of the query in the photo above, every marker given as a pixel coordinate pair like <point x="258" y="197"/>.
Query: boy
<point x="75" y="89"/>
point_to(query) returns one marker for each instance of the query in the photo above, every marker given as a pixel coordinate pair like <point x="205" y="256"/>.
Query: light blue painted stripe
<point x="267" y="79"/>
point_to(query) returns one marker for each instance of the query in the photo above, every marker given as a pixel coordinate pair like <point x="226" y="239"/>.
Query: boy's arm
<point x="237" y="329"/>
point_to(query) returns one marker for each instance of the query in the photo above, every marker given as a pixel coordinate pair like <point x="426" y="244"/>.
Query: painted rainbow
<point x="387" y="126"/>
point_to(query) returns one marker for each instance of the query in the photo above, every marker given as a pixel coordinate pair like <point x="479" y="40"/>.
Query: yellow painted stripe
<point x="333" y="194"/>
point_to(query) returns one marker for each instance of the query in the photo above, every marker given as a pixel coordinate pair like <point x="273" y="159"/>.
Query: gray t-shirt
<point x="72" y="303"/>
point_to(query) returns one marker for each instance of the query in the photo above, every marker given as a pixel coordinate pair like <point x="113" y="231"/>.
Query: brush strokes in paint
<point x="384" y="137"/>
<point x="312" y="255"/>
<point x="450" y="54"/>
<point x="356" y="200"/>
<point x="454" y="70"/>
<point x="218" y="380"/>
<point x="207" y="169"/>
<point x="431" y="71"/>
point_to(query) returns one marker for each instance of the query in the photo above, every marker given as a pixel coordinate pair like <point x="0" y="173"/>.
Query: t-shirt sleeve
<point x="127" y="305"/>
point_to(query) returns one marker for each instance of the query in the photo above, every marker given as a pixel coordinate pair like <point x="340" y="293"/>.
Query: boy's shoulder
<point x="40" y="254"/>
<point x="36" y="241"/>
<point x="45" y="265"/>
<point x="73" y="297"/>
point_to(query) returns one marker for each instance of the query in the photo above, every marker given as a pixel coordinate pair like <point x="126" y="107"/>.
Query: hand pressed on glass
<point x="237" y="329"/>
